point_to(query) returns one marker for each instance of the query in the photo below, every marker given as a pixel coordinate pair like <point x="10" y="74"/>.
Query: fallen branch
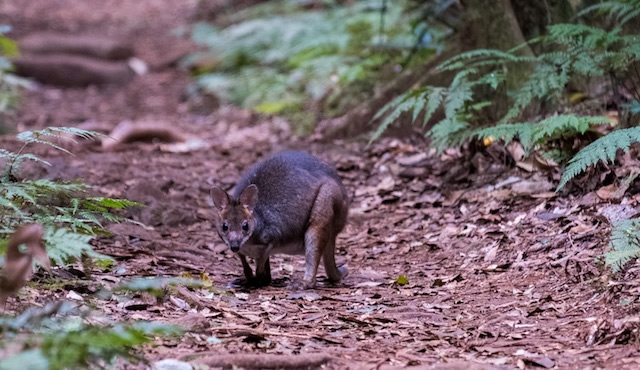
<point x="265" y="361"/>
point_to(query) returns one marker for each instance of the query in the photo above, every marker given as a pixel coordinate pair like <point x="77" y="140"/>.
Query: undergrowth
<point x="276" y="57"/>
<point x="624" y="243"/>
<point x="59" y="336"/>
<point x="9" y="83"/>
<point x="580" y="56"/>
<point x="576" y="53"/>
<point x="71" y="216"/>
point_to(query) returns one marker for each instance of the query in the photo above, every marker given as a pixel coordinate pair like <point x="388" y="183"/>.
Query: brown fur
<point x="291" y="203"/>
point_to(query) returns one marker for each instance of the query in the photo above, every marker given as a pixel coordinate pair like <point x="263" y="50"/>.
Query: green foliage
<point x="57" y="337"/>
<point x="9" y="83"/>
<point x="71" y="217"/>
<point x="552" y="128"/>
<point x="602" y="149"/>
<point x="624" y="243"/>
<point x="620" y="12"/>
<point x="278" y="56"/>
<point x="155" y="286"/>
<point x="89" y="344"/>
<point x="575" y="53"/>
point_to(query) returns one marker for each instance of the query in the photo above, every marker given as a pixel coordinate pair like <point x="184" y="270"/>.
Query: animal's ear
<point x="249" y="197"/>
<point x="220" y="198"/>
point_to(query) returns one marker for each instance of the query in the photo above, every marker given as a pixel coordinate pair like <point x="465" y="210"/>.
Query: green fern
<point x="577" y="51"/>
<point x="552" y="128"/>
<point x="508" y="132"/>
<point x="58" y="337"/>
<point x="602" y="149"/>
<point x="620" y="12"/>
<point x="624" y="244"/>
<point x="71" y="217"/>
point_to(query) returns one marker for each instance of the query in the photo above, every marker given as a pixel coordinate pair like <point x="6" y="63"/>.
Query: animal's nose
<point x="234" y="245"/>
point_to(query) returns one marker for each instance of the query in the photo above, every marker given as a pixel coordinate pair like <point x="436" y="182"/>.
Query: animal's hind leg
<point x="334" y="273"/>
<point x="320" y="234"/>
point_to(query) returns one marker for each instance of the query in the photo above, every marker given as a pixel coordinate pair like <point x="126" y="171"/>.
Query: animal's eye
<point x="225" y="226"/>
<point x="245" y="226"/>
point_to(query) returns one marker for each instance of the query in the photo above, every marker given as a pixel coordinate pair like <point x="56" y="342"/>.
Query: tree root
<point x="128" y="132"/>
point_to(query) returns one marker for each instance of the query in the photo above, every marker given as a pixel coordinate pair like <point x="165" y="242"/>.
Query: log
<point x="72" y="71"/>
<point x="92" y="46"/>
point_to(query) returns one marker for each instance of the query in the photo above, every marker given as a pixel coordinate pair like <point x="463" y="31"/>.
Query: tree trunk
<point x="487" y="25"/>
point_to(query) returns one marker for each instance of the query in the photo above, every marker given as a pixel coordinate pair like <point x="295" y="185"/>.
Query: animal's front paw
<point x="301" y="285"/>
<point x="241" y="282"/>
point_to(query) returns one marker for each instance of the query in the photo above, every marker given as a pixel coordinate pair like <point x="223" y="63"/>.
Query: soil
<point x="456" y="260"/>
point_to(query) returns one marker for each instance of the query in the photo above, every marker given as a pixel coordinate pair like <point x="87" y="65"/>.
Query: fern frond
<point x="35" y="136"/>
<point x="434" y="99"/>
<point x="64" y="245"/>
<point x="603" y="149"/>
<point x="543" y="81"/>
<point x="405" y="106"/>
<point x="508" y="132"/>
<point x="448" y="133"/>
<point x="621" y="12"/>
<point x="624" y="244"/>
<point x="391" y="105"/>
<point x="565" y="125"/>
<point x="458" y="94"/>
<point x="492" y="56"/>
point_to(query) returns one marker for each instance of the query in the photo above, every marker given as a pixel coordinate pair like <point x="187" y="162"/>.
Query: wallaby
<point x="291" y="203"/>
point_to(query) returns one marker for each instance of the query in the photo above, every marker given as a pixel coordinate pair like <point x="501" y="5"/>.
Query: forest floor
<point x="501" y="271"/>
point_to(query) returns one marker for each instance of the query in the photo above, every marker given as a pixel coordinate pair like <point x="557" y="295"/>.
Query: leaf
<point x="624" y="243"/>
<point x="602" y="149"/>
<point x="402" y="280"/>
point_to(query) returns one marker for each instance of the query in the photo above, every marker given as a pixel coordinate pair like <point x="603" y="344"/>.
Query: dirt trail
<point x="501" y="273"/>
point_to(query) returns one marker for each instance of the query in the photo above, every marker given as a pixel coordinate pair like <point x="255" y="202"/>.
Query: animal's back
<point x="288" y="183"/>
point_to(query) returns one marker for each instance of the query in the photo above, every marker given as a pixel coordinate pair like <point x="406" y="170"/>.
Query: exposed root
<point x="128" y="132"/>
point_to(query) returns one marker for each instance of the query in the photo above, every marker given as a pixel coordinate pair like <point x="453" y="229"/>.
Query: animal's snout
<point x="235" y="245"/>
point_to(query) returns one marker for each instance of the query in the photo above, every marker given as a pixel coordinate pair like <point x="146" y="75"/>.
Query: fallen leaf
<point x="75" y="296"/>
<point x="171" y="364"/>
<point x="402" y="280"/>
<point x="307" y="296"/>
<point x="607" y="191"/>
